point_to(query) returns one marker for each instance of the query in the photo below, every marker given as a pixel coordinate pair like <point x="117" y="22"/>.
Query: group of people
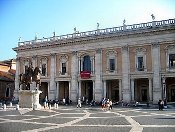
<point x="106" y="104"/>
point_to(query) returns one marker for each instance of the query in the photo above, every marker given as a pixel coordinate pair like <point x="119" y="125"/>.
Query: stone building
<point x="7" y="79"/>
<point x="130" y="63"/>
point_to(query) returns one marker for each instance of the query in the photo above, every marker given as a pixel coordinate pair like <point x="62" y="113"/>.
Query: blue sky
<point x="25" y="18"/>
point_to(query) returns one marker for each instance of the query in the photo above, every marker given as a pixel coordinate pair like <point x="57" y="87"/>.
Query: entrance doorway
<point x="44" y="89"/>
<point x="172" y="95"/>
<point x="87" y="90"/>
<point x="112" y="90"/>
<point x="63" y="90"/>
<point x="170" y="89"/>
<point x="144" y="95"/>
<point x="141" y="89"/>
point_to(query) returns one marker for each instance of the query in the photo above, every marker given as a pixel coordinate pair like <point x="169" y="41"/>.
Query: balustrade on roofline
<point x="103" y="31"/>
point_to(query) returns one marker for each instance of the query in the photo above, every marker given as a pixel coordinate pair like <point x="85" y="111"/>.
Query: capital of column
<point x="74" y="52"/>
<point x="17" y="58"/>
<point x="53" y="54"/>
<point x="98" y="51"/>
<point x="34" y="56"/>
<point x="125" y="47"/>
<point x="155" y="44"/>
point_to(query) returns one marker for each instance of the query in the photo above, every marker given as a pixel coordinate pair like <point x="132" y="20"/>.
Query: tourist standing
<point x="79" y="103"/>
<point x="110" y="105"/>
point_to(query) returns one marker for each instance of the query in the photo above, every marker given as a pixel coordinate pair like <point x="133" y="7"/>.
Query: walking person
<point x="159" y="104"/>
<point x="103" y="102"/>
<point x="162" y="104"/>
<point x="110" y="105"/>
<point x="79" y="103"/>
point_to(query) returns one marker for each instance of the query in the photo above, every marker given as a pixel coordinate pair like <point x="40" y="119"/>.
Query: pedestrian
<point x="79" y="103"/>
<point x="110" y="105"/>
<point x="103" y="102"/>
<point x="162" y="104"/>
<point x="159" y="104"/>
<point x="165" y="103"/>
<point x="45" y="102"/>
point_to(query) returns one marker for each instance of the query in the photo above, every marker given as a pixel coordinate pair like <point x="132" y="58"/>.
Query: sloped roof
<point x="6" y="76"/>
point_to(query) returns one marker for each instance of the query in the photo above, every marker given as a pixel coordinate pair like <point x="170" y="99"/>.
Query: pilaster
<point x="125" y="75"/>
<point x="74" y="80"/>
<point x="156" y="72"/>
<point x="52" y="77"/>
<point x="17" y="78"/>
<point x="98" y="74"/>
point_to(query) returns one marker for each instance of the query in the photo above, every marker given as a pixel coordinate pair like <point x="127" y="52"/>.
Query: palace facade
<point x="130" y="63"/>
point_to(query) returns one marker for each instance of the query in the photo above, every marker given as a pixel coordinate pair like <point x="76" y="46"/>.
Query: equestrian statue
<point x="30" y="76"/>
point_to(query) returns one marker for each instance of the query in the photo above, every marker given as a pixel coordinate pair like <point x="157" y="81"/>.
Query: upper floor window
<point x="43" y="65"/>
<point x="111" y="65"/>
<point x="63" y="68"/>
<point x="111" y="61"/>
<point x="26" y="65"/>
<point x="172" y="61"/>
<point x="43" y="69"/>
<point x="86" y="63"/>
<point x="170" y="57"/>
<point x="140" y="64"/>
<point x="140" y="59"/>
<point x="63" y="64"/>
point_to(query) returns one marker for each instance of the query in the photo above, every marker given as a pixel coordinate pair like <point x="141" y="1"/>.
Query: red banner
<point x="85" y="74"/>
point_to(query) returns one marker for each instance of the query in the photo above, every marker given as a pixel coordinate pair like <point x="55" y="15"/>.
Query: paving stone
<point x="156" y="120"/>
<point x="53" y="120"/>
<point x="169" y="129"/>
<point x="91" y="129"/>
<point x="17" y="127"/>
<point x="104" y="121"/>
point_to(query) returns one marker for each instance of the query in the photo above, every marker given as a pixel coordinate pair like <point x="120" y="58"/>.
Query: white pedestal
<point x="29" y="99"/>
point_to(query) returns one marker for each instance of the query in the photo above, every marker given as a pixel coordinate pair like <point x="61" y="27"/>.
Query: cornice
<point x="95" y="38"/>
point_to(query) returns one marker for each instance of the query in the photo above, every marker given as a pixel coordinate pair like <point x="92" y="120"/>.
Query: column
<point x="98" y="74"/>
<point x="156" y="72"/>
<point x="79" y="65"/>
<point x="57" y="90"/>
<point x="164" y="87"/>
<point x="93" y="90"/>
<point x="104" y="88"/>
<point x="125" y="74"/>
<point x="120" y="90"/>
<point x="17" y="78"/>
<point x="74" y="79"/>
<point x="150" y="90"/>
<point x="79" y="89"/>
<point x="92" y="65"/>
<point x="69" y="88"/>
<point x="52" y="78"/>
<point x="132" y="90"/>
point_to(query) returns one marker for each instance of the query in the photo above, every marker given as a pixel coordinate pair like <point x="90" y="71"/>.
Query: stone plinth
<point x="29" y="99"/>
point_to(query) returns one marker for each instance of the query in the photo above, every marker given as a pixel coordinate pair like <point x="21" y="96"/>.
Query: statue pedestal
<point x="29" y="99"/>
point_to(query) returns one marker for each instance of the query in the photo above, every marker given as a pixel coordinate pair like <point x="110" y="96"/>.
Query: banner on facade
<point x="85" y="74"/>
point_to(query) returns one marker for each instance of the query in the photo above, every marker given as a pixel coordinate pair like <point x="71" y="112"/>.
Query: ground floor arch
<point x="44" y="89"/>
<point x="141" y="90"/>
<point x="87" y="90"/>
<point x="112" y="90"/>
<point x="63" y="90"/>
<point x="169" y="89"/>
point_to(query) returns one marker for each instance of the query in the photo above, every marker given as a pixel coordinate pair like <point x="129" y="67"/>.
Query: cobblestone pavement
<point x="72" y="119"/>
